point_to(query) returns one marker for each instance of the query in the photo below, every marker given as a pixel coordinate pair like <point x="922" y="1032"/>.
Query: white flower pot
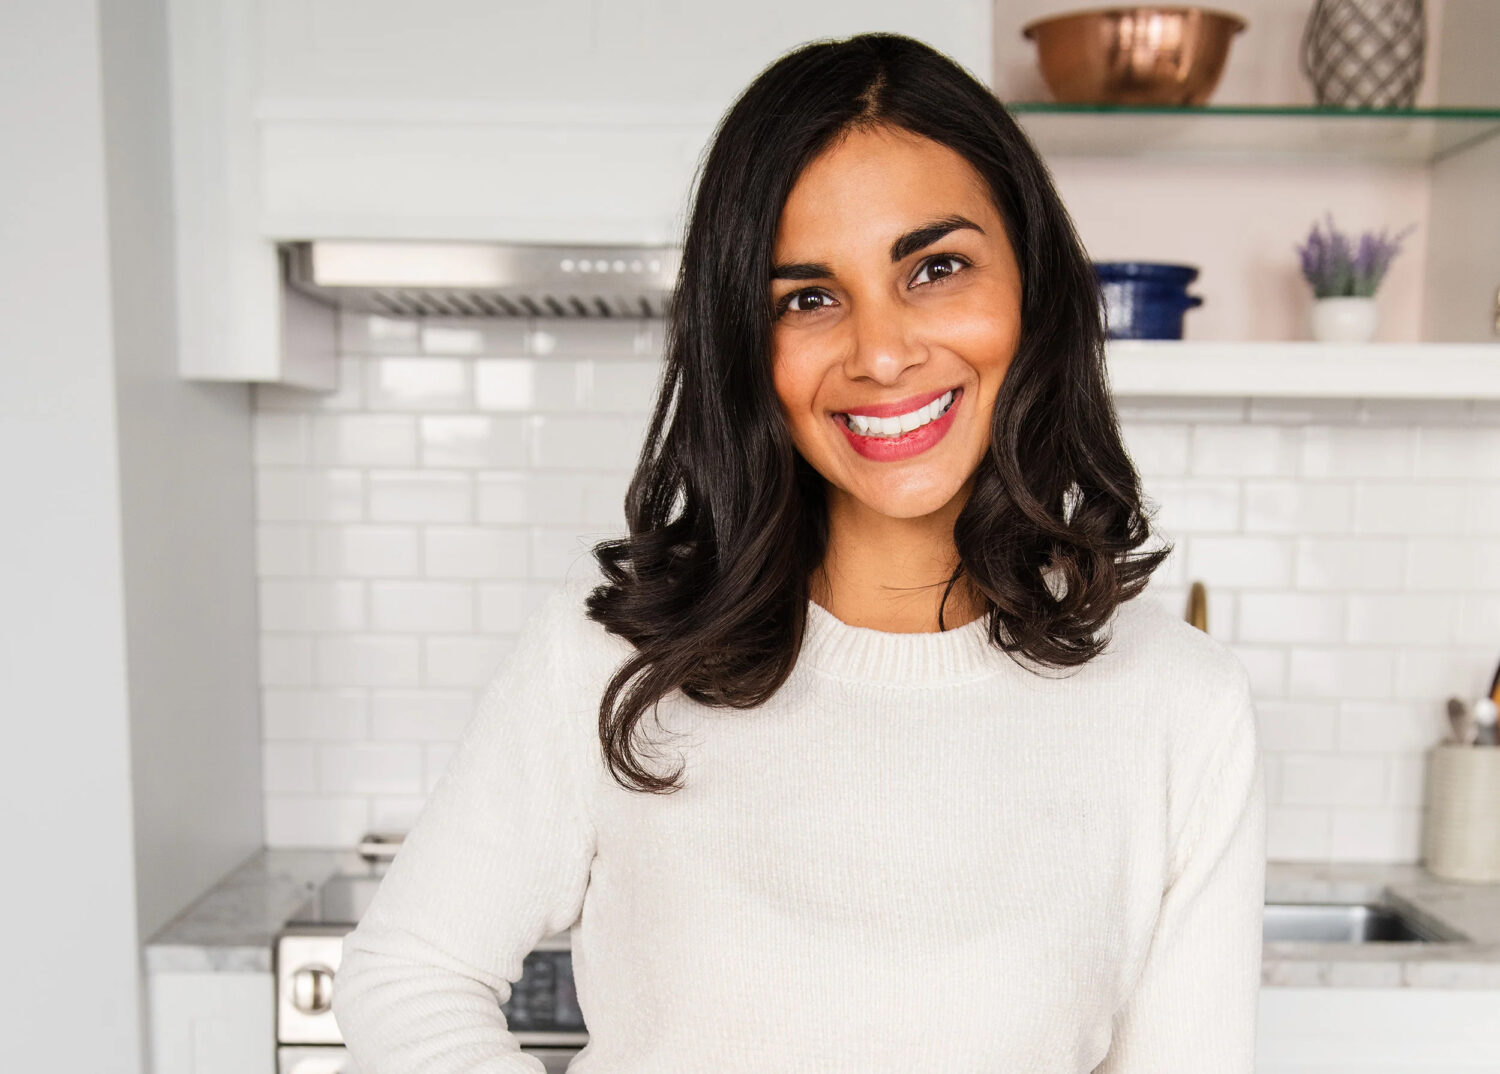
<point x="1351" y="319"/>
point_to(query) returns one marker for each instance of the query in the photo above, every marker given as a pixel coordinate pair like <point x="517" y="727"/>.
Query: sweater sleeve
<point x="1194" y="1006"/>
<point x="498" y="858"/>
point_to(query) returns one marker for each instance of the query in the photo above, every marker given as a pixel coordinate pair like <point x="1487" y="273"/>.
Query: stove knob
<point x="312" y="989"/>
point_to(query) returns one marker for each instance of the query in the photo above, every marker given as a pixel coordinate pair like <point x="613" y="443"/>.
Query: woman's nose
<point x="885" y="343"/>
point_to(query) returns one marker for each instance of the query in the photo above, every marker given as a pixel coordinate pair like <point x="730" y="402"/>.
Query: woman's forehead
<point x="870" y="186"/>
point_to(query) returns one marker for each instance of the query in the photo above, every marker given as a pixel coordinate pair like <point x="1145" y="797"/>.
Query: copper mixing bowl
<point x="1134" y="55"/>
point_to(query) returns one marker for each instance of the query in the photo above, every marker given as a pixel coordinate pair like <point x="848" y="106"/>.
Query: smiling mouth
<point x="891" y="428"/>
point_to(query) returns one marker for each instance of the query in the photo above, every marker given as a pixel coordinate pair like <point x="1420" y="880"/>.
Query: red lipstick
<point x="893" y="448"/>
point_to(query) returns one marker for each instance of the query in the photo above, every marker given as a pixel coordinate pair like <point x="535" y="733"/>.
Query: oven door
<point x="333" y="1059"/>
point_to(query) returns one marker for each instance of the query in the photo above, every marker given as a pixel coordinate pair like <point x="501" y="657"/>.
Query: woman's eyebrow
<point x="904" y="246"/>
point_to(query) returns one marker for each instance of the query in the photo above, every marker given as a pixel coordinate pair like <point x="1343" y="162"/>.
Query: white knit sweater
<point x="917" y="856"/>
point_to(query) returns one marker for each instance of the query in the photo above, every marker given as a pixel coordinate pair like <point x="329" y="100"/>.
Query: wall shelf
<point x="1458" y="371"/>
<point x="1255" y="132"/>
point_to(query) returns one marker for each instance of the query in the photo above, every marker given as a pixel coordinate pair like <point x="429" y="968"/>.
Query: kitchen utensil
<point x="1197" y="612"/>
<point x="1145" y="299"/>
<point x="1134" y="55"/>
<point x="1462" y="722"/>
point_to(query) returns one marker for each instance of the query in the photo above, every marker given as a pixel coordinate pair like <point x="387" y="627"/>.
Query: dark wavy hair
<point x="727" y="521"/>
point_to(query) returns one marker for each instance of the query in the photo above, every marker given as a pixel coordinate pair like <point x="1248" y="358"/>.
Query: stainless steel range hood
<point x="483" y="279"/>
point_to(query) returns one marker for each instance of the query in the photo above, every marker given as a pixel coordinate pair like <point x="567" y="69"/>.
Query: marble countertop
<point x="233" y="926"/>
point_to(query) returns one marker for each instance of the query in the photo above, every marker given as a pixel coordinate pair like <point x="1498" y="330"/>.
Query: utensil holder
<point x="1461" y="822"/>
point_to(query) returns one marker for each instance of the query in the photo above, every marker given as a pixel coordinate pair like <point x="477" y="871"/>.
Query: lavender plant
<point x="1336" y="267"/>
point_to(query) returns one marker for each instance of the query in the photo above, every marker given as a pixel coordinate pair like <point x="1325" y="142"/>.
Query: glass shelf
<point x="1254" y="132"/>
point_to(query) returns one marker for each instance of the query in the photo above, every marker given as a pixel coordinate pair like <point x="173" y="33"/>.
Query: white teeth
<point x="902" y="423"/>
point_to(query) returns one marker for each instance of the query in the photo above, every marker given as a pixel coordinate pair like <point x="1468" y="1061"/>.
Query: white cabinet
<point x="1329" y="1030"/>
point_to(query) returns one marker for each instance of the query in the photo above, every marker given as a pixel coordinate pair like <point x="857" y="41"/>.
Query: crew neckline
<point x="864" y="654"/>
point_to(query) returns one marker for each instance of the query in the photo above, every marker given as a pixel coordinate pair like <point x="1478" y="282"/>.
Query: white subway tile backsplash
<point x="472" y="336"/>
<point x="280" y="439"/>
<point x="523" y="385"/>
<point x="283" y="551"/>
<point x="1244" y="450"/>
<point x="366" y="551"/>
<point x="367" y="660"/>
<point x="1458" y="453"/>
<point x="1326" y="671"/>
<point x="1357" y="451"/>
<point x="1298" y="507"/>
<point x="518" y="498"/>
<point x="1297" y="726"/>
<point x="554" y="550"/>
<point x="299" y="494"/>
<point x="463" y="662"/>
<point x="1390" y="727"/>
<point x="1394" y="618"/>
<point x="1348" y="563"/>
<point x="593" y="442"/>
<point x="418" y="384"/>
<point x="410" y="521"/>
<point x="1157" y="449"/>
<point x="315" y="715"/>
<point x="421" y="496"/>
<point x="1241" y="562"/>
<point x="312" y="606"/>
<point x="420" y="715"/>
<point x="1312" y="779"/>
<point x="1291" y="617"/>
<point x="364" y="440"/>
<point x="1298" y="833"/>
<point x="362" y="334"/>
<point x="475" y="552"/>
<point x="316" y="820"/>
<point x="1188" y="505"/>
<point x="286" y="660"/>
<point x="1458" y="564"/>
<point x="474" y="441"/>
<point x="1385" y="507"/>
<point x="1384" y="833"/>
<point x="1482" y="508"/>
<point x="370" y="768"/>
<point x="505" y="606"/>
<point x="422" y="607"/>
<point x="616" y="337"/>
<point x="1428" y="674"/>
<point x="395" y="812"/>
<point x="621" y="385"/>
<point x="289" y="768"/>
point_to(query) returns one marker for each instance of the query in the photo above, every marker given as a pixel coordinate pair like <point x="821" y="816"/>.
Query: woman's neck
<point x="890" y="573"/>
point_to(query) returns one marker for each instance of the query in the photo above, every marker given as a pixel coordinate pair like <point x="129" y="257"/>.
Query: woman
<point x="983" y="811"/>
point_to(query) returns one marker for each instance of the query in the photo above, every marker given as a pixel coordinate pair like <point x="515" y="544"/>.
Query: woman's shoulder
<point x="1150" y="642"/>
<point x="562" y="615"/>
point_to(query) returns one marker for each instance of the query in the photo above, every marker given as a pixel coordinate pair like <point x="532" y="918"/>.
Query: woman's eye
<point x="807" y="301"/>
<point x="939" y="267"/>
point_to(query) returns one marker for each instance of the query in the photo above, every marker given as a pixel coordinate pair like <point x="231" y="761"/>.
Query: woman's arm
<point x="1194" y="1006"/>
<point x="497" y="859"/>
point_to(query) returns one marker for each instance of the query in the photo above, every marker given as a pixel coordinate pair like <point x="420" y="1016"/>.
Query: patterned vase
<point x="1365" y="53"/>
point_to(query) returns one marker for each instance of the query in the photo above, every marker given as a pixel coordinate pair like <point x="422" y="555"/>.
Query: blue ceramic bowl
<point x="1145" y="299"/>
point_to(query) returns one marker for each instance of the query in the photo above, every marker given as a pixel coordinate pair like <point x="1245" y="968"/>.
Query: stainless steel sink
<point x="1345" y="923"/>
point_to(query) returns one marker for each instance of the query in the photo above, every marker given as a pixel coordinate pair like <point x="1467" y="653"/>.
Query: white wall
<point x="187" y="505"/>
<point x="128" y="771"/>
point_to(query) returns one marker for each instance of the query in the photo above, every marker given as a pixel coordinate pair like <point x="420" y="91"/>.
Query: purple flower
<point x="1335" y="265"/>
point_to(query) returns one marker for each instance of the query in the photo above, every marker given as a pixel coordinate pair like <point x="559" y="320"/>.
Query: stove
<point x="542" y="1010"/>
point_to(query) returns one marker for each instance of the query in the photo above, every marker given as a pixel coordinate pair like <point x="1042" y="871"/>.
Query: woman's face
<point x="894" y="283"/>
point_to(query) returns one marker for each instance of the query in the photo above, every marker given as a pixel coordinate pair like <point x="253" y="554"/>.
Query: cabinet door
<point x="1390" y="1030"/>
